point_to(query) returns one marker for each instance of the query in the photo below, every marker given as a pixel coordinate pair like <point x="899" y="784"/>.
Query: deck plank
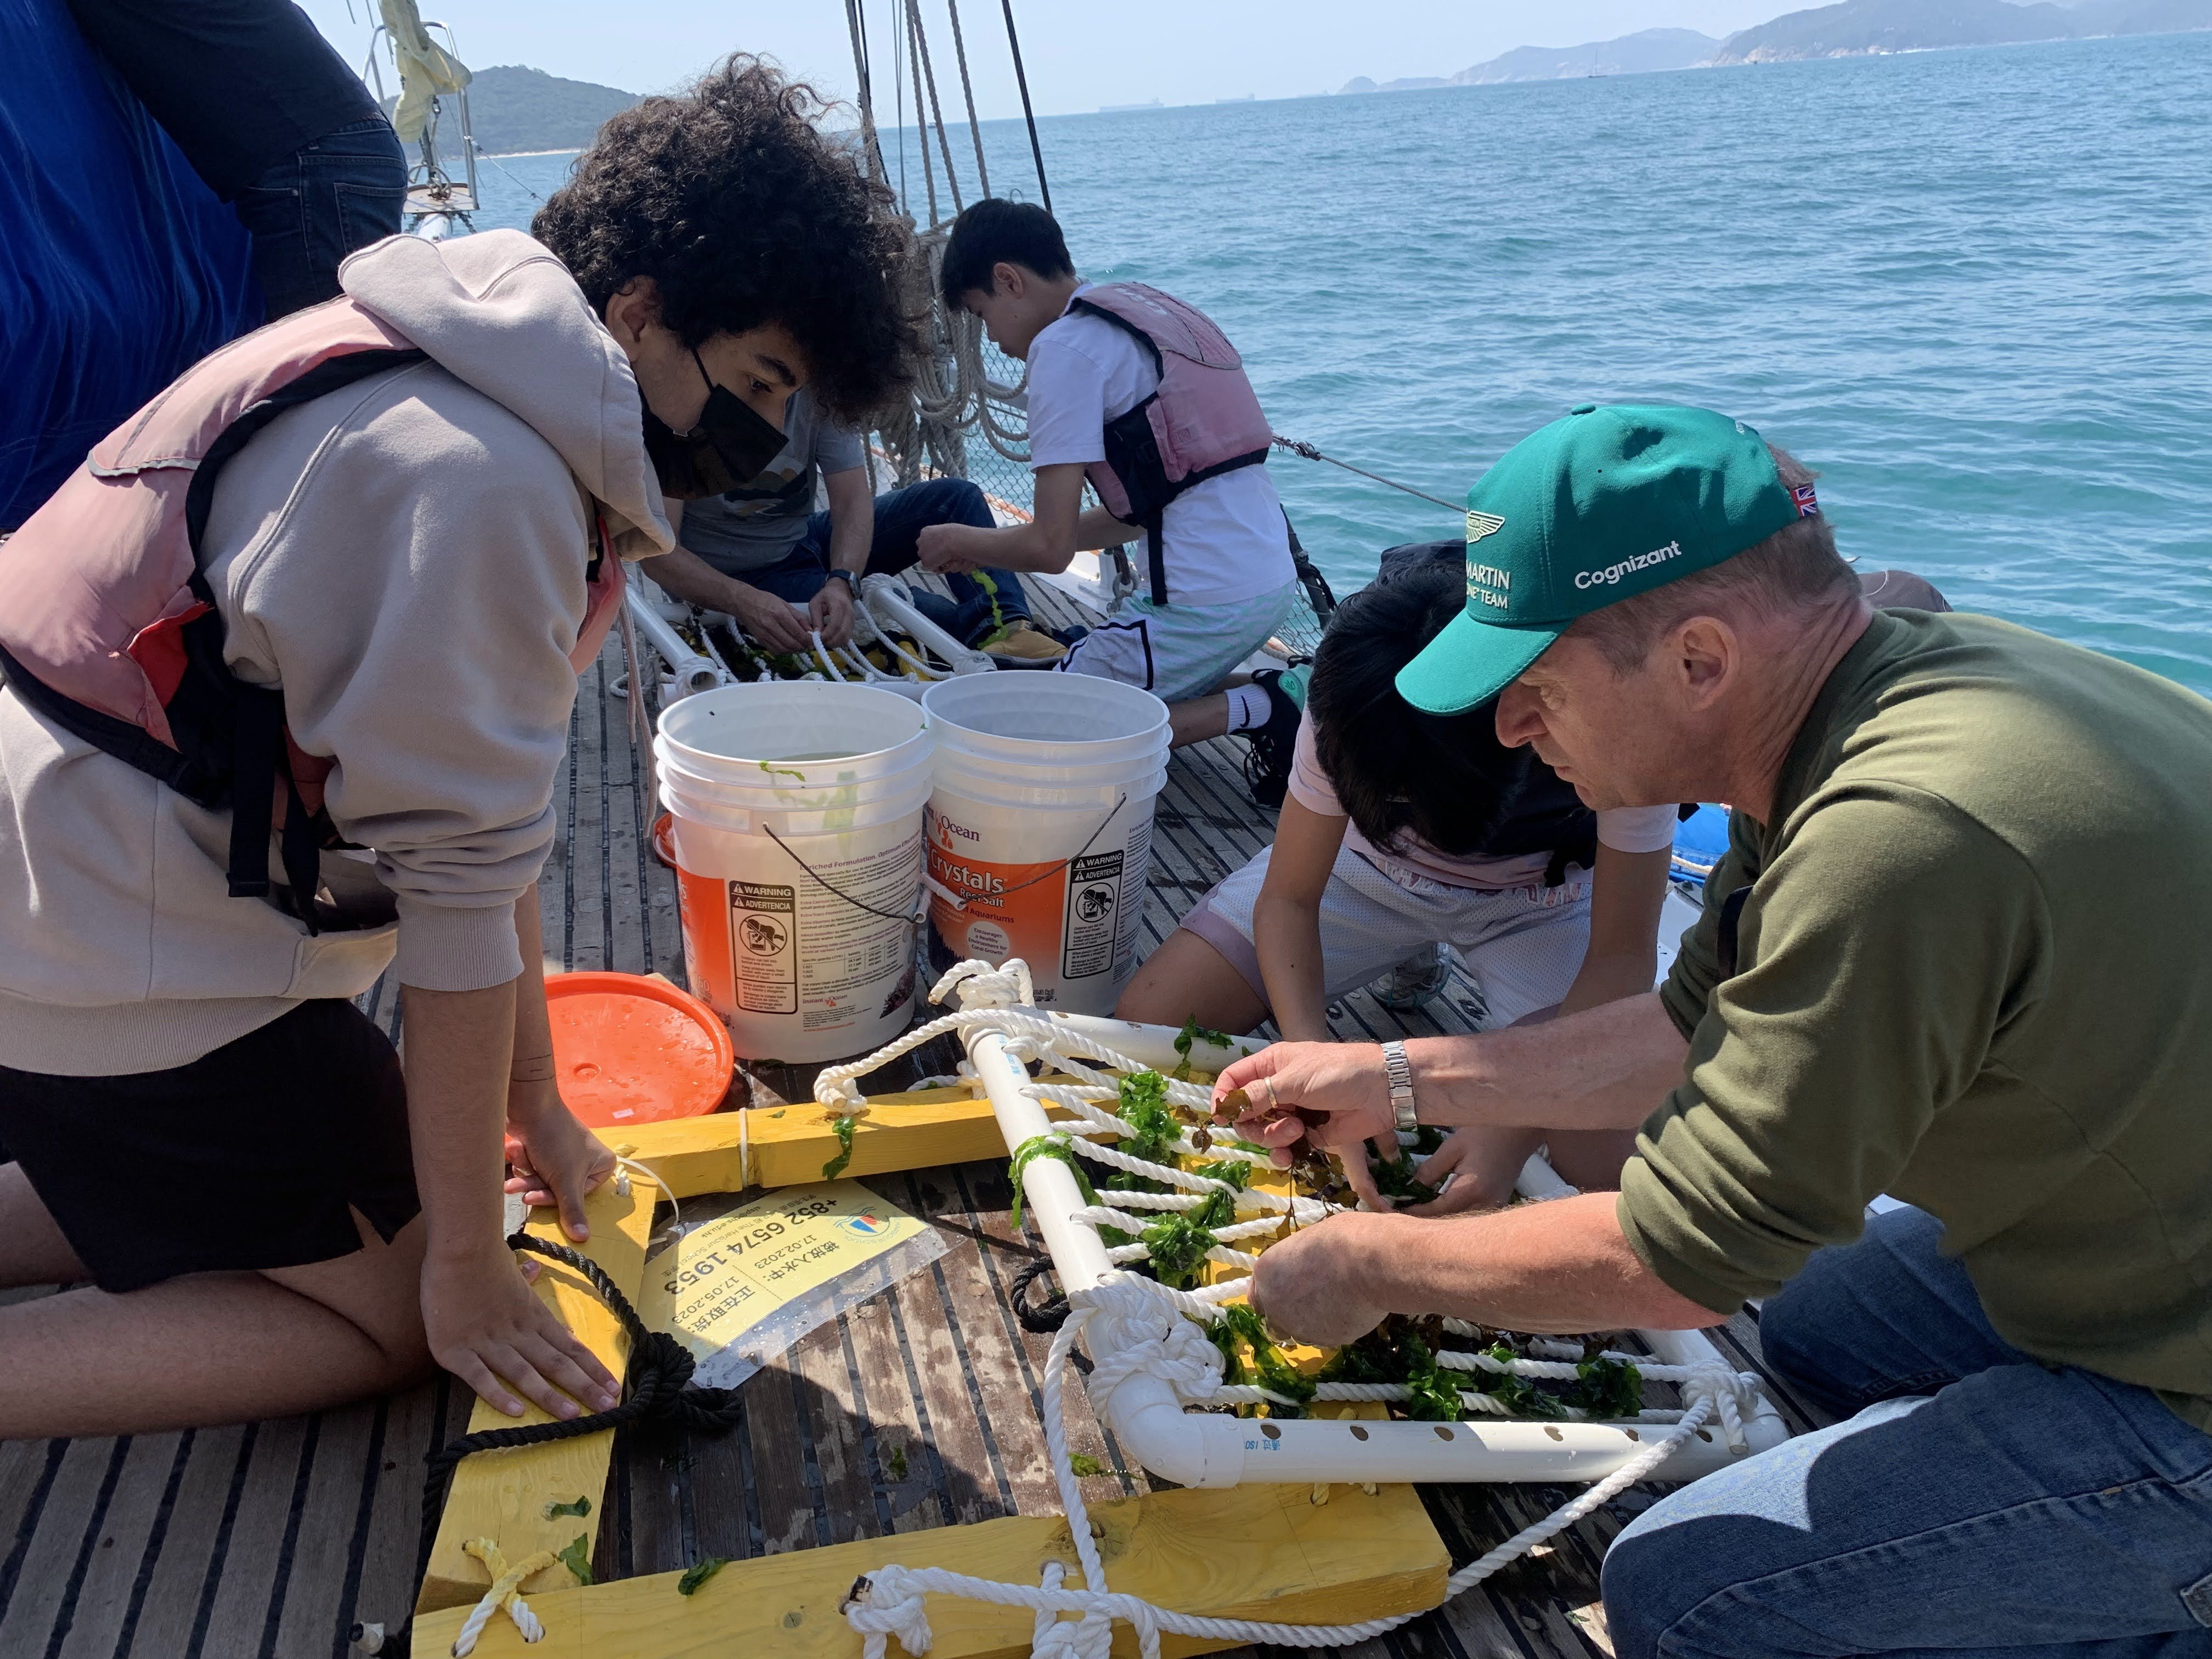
<point x="902" y="1468"/>
<point x="100" y="1602"/>
<point x="844" y="1489"/>
<point x="76" y="1507"/>
<point x="240" y="1619"/>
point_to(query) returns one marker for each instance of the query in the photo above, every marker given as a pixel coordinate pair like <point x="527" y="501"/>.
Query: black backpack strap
<point x="1727" y="947"/>
<point x="256" y="714"/>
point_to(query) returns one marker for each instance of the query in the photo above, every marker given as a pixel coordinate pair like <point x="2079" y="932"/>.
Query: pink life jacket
<point x="109" y="629"/>
<point x="1204" y="419"/>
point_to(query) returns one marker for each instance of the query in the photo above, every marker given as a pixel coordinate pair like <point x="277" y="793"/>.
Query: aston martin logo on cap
<point x="1479" y="524"/>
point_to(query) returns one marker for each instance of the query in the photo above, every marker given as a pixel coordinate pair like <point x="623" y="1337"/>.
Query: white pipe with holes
<point x="692" y="671"/>
<point x="888" y="602"/>
<point x="1196" y="1449"/>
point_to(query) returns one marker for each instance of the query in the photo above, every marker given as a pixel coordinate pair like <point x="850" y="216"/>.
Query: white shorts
<point x="1178" y="651"/>
<point x="1523" y="946"/>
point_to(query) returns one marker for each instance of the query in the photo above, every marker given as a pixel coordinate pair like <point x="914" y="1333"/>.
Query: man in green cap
<point x="1955" y="953"/>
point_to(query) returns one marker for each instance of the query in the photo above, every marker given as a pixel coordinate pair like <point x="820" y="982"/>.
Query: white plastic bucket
<point x="796" y="816"/>
<point x="1041" y="821"/>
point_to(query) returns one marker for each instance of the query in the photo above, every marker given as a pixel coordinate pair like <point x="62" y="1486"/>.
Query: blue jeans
<point x="319" y="203"/>
<point x="1979" y="1503"/>
<point x="901" y="517"/>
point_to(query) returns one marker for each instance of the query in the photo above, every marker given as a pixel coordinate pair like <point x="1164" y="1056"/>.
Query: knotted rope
<point x="658" y="1390"/>
<point x="1153" y="1341"/>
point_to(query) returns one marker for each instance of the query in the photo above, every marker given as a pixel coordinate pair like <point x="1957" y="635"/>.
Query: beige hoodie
<point x="405" y="557"/>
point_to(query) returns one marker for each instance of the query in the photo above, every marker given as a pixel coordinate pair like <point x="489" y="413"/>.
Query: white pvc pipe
<point x="1154" y="1045"/>
<point x="1196" y="1449"/>
<point x="692" y="672"/>
<point x="887" y="600"/>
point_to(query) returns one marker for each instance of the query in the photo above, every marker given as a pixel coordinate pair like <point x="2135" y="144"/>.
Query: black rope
<point x="1022" y="80"/>
<point x="1043" y="1317"/>
<point x="659" y="1391"/>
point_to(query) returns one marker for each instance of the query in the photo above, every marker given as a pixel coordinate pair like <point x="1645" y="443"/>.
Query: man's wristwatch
<point x="851" y="582"/>
<point x="1400" y="1073"/>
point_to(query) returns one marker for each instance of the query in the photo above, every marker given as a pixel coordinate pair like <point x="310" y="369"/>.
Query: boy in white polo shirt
<point x="1143" y="395"/>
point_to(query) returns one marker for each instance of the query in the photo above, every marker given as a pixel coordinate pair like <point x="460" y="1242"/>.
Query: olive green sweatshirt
<point x="1972" y="969"/>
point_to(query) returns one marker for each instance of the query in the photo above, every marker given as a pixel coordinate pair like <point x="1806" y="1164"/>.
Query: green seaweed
<point x="1435" y="1390"/>
<point x="1234" y="1172"/>
<point x="1177" y="1245"/>
<point x="1083" y="1465"/>
<point x="1193" y="1033"/>
<point x="1054" y="1146"/>
<point x="579" y="1507"/>
<point x="577" y="1558"/>
<point x="1240" y="1324"/>
<point x="894" y="1463"/>
<point x="1607" y="1388"/>
<point x="698" y="1573"/>
<point x="843" y="1129"/>
<point x="1396" y="1181"/>
<point x="781" y="771"/>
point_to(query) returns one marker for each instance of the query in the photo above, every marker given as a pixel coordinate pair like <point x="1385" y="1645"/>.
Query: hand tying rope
<point x="657" y="1389"/>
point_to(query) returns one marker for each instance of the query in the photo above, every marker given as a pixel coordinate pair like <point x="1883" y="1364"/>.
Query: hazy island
<point x="1853" y="28"/>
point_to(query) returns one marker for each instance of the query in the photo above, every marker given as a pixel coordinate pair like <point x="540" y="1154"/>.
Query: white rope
<point x="505" y="1592"/>
<point x="1156" y="1340"/>
<point x="890" y="1600"/>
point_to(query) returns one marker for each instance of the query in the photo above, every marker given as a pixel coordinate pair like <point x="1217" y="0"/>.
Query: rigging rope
<point x="1028" y="115"/>
<point x="968" y="92"/>
<point x="921" y="111"/>
<point x="872" y="149"/>
<point x="1309" y="452"/>
<point x="935" y="108"/>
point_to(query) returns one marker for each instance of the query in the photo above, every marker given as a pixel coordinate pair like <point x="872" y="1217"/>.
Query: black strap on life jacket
<point x="231" y="750"/>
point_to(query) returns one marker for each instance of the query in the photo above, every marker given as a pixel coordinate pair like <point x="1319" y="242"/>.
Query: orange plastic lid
<point x="627" y="1049"/>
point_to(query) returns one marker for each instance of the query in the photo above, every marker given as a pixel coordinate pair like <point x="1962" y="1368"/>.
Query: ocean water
<point x="1974" y="289"/>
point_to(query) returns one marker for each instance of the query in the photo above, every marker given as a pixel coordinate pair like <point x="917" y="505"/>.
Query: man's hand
<point x="488" y="1327"/>
<point x="771" y="622"/>
<point x="1312" y="1286"/>
<point x="1333" y="1097"/>
<point x="556" y="1160"/>
<point x="949" y="549"/>
<point x="1481" y="1162"/>
<point x="830" y="613"/>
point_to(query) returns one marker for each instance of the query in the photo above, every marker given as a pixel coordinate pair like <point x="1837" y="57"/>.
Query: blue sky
<point x="1078" y="56"/>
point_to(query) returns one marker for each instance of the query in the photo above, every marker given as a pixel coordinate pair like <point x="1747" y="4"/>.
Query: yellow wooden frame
<point x="1245" y="1551"/>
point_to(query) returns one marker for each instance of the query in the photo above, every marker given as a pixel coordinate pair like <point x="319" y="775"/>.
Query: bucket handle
<point x="960" y="903"/>
<point x="913" y="920"/>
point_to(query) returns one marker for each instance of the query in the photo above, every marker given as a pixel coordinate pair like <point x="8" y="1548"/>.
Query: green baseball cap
<point x="1608" y="502"/>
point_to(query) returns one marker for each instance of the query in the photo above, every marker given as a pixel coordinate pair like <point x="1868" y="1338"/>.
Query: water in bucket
<point x="1040" y="823"/>
<point x="796" y="811"/>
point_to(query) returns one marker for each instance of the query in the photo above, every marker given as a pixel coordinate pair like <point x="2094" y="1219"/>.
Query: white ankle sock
<point x="1248" y="706"/>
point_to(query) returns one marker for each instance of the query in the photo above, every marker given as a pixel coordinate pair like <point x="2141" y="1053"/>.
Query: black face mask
<point x="732" y="445"/>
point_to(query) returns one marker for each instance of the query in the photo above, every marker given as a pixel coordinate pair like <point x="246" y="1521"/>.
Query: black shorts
<point x="251" y="1156"/>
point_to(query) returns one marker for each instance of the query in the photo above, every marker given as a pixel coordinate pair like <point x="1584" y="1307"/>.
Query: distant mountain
<point x="1404" y="83"/>
<point x="1859" y="26"/>
<point x="1854" y="28"/>
<point x="512" y="109"/>
<point x="1633" y="54"/>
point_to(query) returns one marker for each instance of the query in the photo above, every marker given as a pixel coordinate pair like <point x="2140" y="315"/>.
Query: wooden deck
<point x="917" y="1409"/>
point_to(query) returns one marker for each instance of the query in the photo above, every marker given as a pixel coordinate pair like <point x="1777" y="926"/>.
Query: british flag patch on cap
<point x="1808" y="505"/>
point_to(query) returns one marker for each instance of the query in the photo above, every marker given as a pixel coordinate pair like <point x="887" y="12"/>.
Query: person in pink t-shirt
<point x="1405" y="834"/>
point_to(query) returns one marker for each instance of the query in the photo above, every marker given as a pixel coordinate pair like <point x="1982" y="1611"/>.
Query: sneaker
<point x="1416" y="981"/>
<point x="1023" y="644"/>
<point x="1267" y="757"/>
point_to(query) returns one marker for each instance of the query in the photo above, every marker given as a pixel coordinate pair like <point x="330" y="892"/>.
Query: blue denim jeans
<point x="319" y="203"/>
<point x="901" y="517"/>
<point x="1979" y="1503"/>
